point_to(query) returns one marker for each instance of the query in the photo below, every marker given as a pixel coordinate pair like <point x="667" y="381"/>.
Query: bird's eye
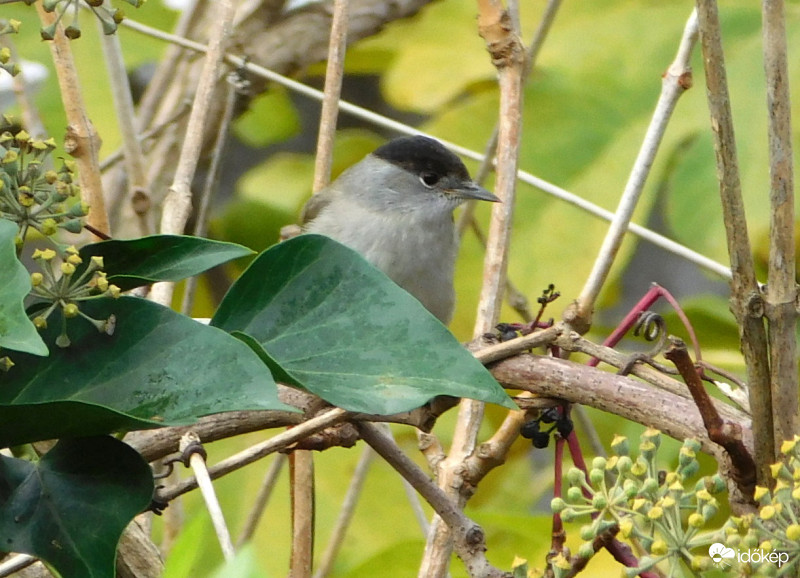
<point x="429" y="179"/>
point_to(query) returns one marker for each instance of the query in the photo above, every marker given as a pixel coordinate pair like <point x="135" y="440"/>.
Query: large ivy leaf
<point x="16" y="330"/>
<point x="71" y="507"/>
<point x="136" y="262"/>
<point x="159" y="368"/>
<point x="328" y="320"/>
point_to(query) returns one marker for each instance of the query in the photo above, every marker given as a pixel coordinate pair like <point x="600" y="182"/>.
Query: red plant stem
<point x="644" y="304"/>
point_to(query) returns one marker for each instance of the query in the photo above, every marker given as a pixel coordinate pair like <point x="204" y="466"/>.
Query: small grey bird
<point x="395" y="207"/>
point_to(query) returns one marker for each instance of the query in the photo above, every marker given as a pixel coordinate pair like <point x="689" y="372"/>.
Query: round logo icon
<point x="720" y="555"/>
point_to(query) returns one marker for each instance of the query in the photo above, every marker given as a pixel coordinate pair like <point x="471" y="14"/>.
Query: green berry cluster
<point x="32" y="196"/>
<point x="65" y="286"/>
<point x="109" y="17"/>
<point x="659" y="512"/>
<point x="771" y="538"/>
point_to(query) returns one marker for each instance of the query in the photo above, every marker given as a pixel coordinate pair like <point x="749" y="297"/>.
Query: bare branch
<point x="746" y="300"/>
<point x="260" y="503"/>
<point x="123" y="105"/>
<point x="505" y="48"/>
<point x="468" y="536"/>
<point x="195" y="455"/>
<point x="212" y="179"/>
<point x="781" y="295"/>
<point x="81" y="141"/>
<point x="675" y="81"/>
<point x="261" y="450"/>
<point x="675" y="415"/>
<point x="178" y="203"/>
<point x="301" y="473"/>
<point x="726" y="435"/>
<point x="137" y="555"/>
<point x="333" y="90"/>
<point x="346" y="513"/>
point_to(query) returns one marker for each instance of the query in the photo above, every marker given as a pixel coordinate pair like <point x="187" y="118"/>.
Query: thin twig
<point x="198" y="465"/>
<point x="333" y="90"/>
<point x="212" y="182"/>
<point x="15" y="563"/>
<point x="511" y="347"/>
<point x="302" y="463"/>
<point x="781" y="293"/>
<point x="505" y="48"/>
<point x="260" y="503"/>
<point x="82" y="140"/>
<point x="119" y="155"/>
<point x="346" y="513"/>
<point x="178" y="203"/>
<point x="744" y="471"/>
<point x="516" y="299"/>
<point x="258" y="451"/>
<point x="676" y="80"/>
<point x="507" y="54"/>
<point x="301" y="473"/>
<point x="573" y="342"/>
<point x="469" y="537"/>
<point x="746" y="300"/>
<point x="123" y="105"/>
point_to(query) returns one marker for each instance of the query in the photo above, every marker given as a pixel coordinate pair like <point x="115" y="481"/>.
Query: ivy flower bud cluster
<point x="660" y="511"/>
<point x="108" y="17"/>
<point x="64" y="283"/>
<point x="8" y="27"/>
<point x="32" y="196"/>
<point x="775" y="529"/>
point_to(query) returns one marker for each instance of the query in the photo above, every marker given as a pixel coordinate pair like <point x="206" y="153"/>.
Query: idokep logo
<point x="722" y="556"/>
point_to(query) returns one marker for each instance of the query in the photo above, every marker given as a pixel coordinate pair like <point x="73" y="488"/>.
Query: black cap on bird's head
<point x="434" y="164"/>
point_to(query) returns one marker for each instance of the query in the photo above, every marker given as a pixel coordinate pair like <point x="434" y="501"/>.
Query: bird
<point x="395" y="207"/>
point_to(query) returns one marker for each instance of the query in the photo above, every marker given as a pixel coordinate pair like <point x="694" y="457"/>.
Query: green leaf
<point x="273" y="109"/>
<point x="461" y="53"/>
<point x="138" y="262"/>
<point x="71" y="507"/>
<point x="159" y="368"/>
<point x="330" y="321"/>
<point x="16" y="330"/>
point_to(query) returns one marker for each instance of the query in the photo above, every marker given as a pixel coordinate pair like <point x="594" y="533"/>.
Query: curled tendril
<point x="652" y="327"/>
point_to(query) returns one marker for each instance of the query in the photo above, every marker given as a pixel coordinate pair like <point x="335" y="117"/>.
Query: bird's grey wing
<point x="315" y="205"/>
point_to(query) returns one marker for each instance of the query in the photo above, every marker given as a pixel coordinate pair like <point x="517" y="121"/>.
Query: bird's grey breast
<point x="416" y="251"/>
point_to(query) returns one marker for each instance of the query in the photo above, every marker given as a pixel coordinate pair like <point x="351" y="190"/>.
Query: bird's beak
<point x="473" y="191"/>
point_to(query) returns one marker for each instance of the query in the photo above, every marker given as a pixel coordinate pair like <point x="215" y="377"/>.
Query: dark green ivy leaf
<point x="159" y="368"/>
<point x="16" y="330"/>
<point x="70" y="508"/>
<point x="331" y="322"/>
<point x="137" y="262"/>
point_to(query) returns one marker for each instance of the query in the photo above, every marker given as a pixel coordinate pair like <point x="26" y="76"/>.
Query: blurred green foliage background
<point x="587" y="105"/>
